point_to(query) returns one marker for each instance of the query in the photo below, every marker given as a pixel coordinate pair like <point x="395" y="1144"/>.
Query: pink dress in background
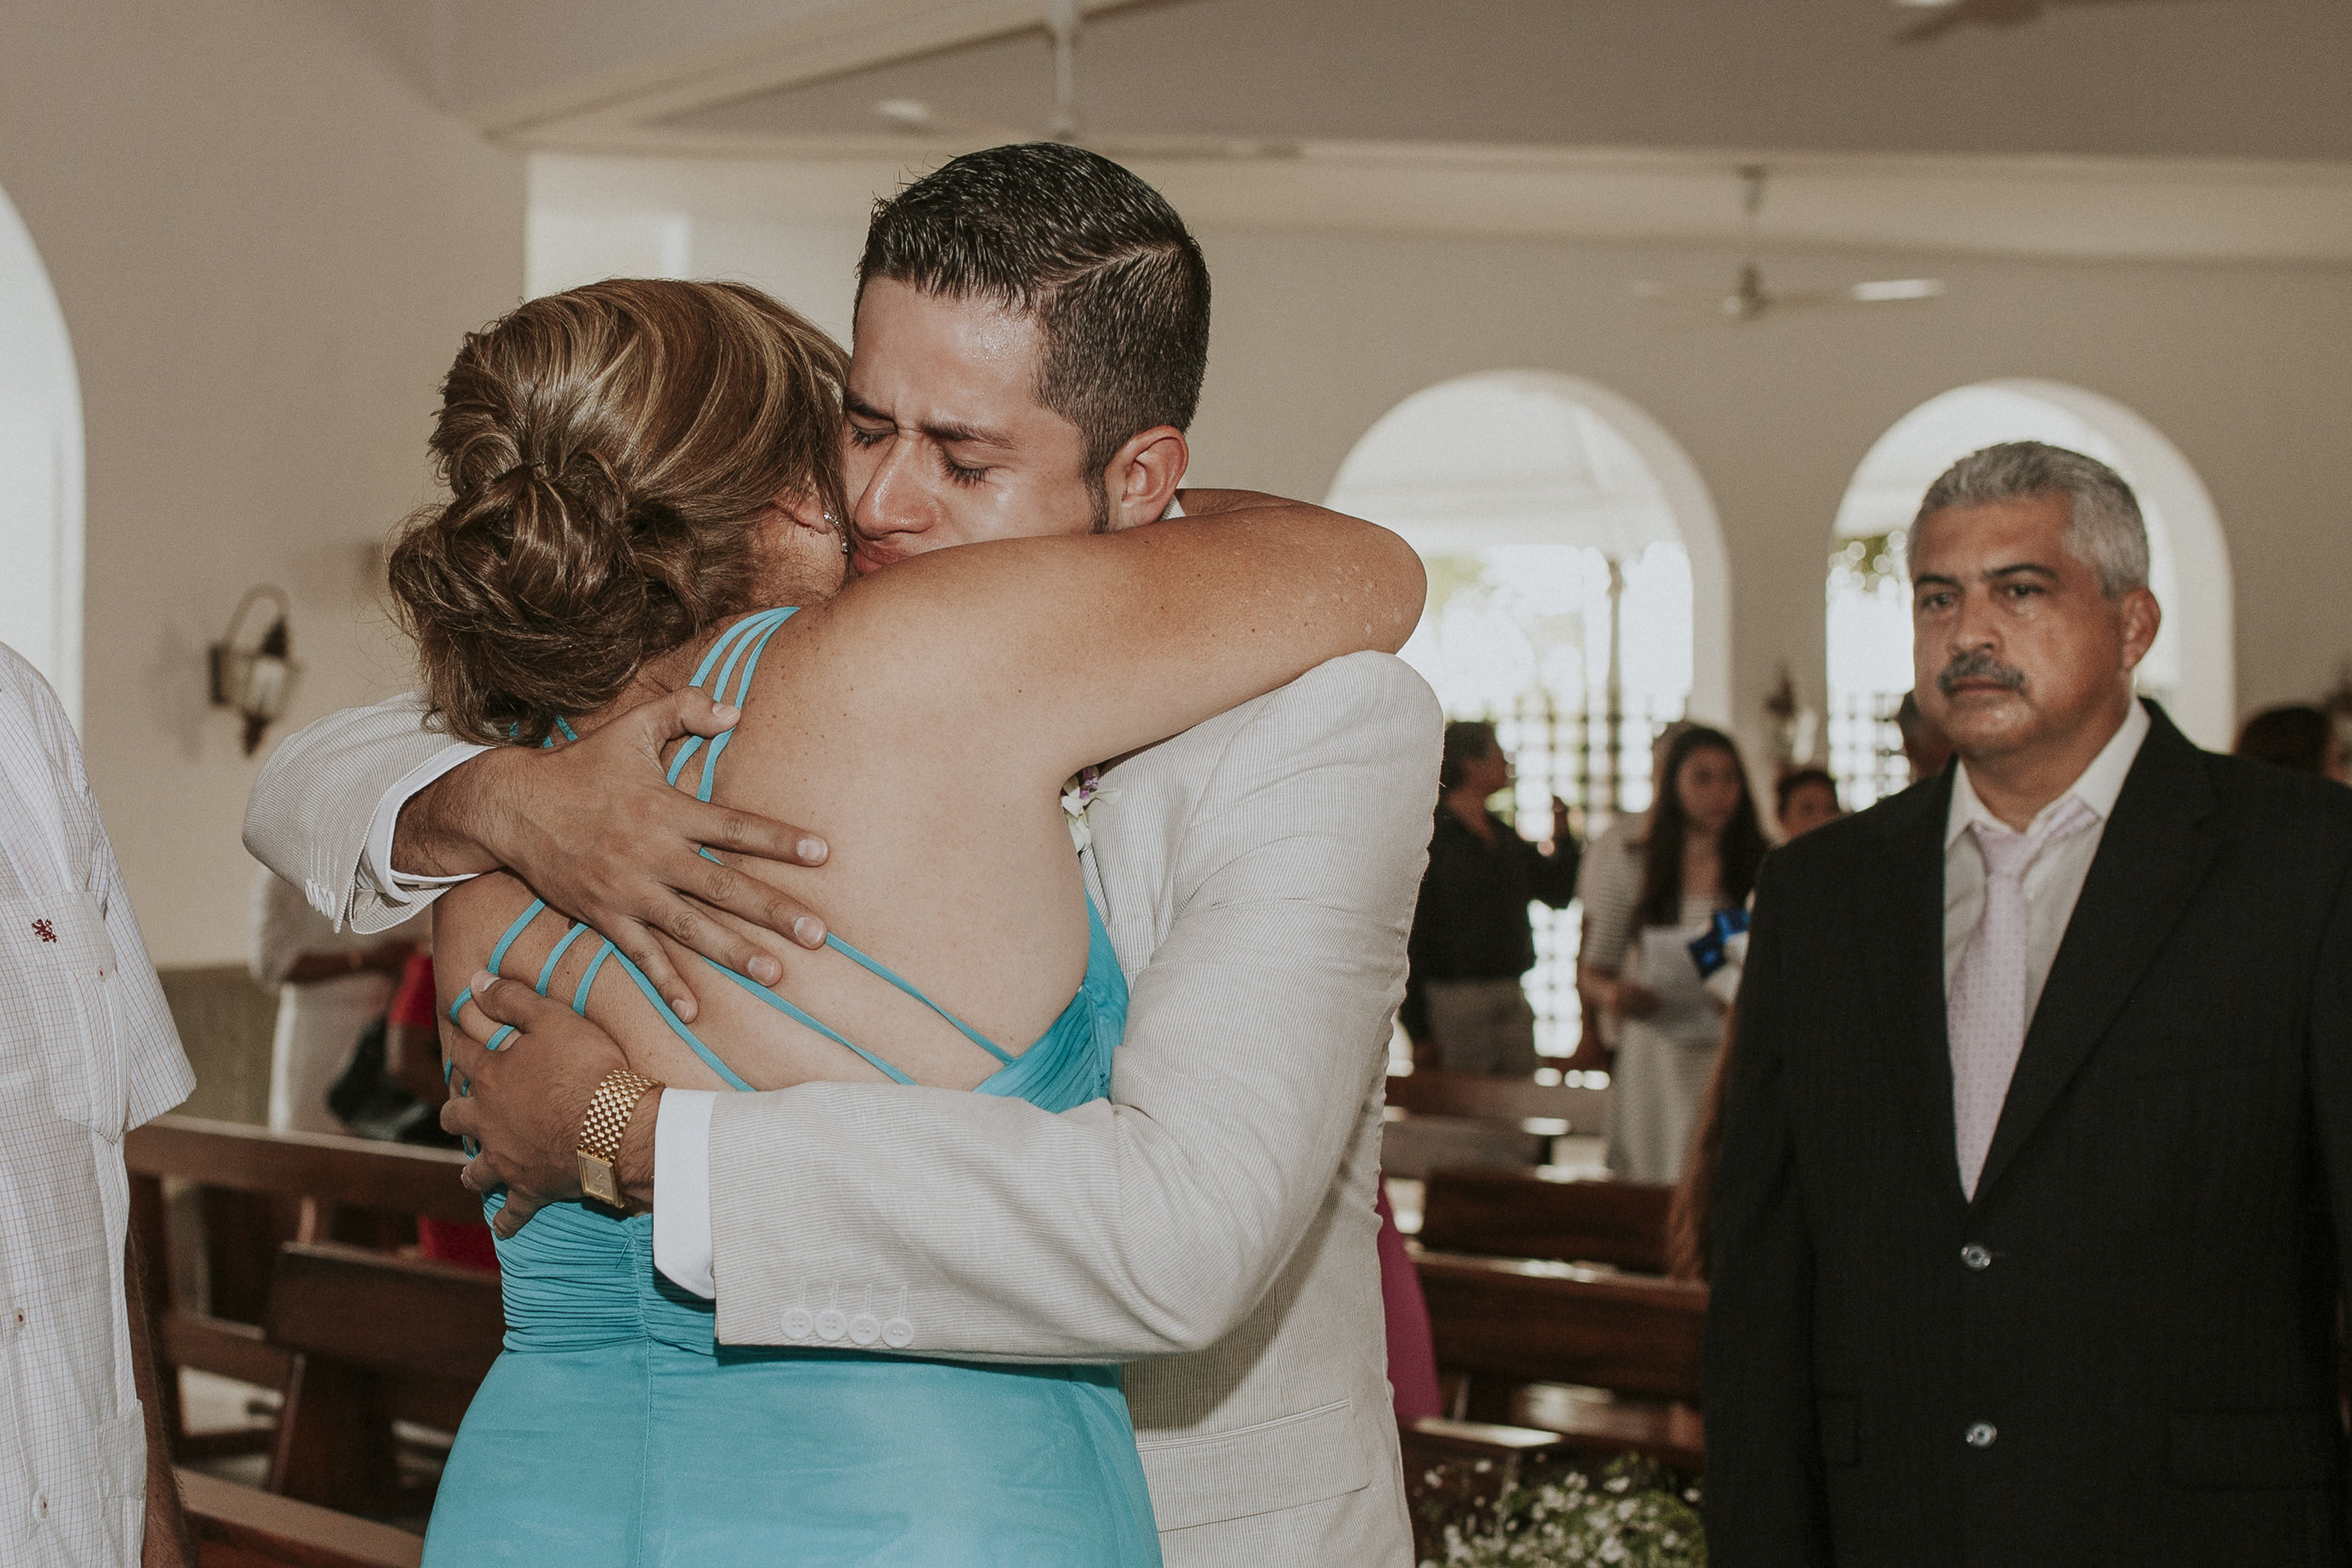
<point x="1412" y="1355"/>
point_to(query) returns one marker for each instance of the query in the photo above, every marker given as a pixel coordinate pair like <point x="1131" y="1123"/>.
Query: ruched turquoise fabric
<point x="615" y="1432"/>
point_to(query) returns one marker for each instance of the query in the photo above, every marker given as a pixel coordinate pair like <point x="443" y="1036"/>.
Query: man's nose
<point x="895" y="500"/>
<point x="1972" y="626"/>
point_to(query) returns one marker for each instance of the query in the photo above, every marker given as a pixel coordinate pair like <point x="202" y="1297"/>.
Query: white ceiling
<point x="2159" y="129"/>
<point x="2162" y="78"/>
<point x="2141" y="78"/>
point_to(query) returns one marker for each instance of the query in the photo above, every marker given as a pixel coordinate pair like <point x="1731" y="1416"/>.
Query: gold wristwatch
<point x="600" y="1132"/>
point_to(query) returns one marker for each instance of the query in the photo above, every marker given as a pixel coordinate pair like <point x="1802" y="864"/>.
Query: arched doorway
<point x="1578" y="594"/>
<point x="40" y="469"/>
<point x="2190" y="670"/>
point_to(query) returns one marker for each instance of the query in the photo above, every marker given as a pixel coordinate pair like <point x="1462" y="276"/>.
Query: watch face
<point x="596" y="1181"/>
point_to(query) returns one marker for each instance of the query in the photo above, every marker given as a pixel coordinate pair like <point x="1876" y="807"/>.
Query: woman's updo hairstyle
<point x="611" y="452"/>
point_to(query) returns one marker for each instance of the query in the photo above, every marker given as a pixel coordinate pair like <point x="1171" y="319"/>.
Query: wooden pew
<point x="1438" y="1120"/>
<point x="1497" y="1098"/>
<point x="236" y="1527"/>
<point x="1609" y="1361"/>
<point x="243" y="1173"/>
<point x="373" y="1339"/>
<point x="1546" y="1214"/>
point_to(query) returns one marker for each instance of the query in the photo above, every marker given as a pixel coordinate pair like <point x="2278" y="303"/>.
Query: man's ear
<point x="1141" y="478"/>
<point x="2141" y="617"/>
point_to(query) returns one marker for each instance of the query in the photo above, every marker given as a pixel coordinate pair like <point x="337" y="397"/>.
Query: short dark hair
<point x="1466" y="741"/>
<point x="2294" y="736"/>
<point x="1803" y="778"/>
<point x="1097" y="257"/>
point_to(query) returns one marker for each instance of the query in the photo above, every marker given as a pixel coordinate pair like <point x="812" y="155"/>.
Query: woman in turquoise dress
<point x="637" y="469"/>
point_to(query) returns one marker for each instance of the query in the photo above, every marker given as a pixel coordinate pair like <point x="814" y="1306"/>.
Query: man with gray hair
<point x="2035" y="1200"/>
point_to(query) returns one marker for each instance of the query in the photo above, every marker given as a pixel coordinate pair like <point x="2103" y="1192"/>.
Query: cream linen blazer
<point x="1211" y="1224"/>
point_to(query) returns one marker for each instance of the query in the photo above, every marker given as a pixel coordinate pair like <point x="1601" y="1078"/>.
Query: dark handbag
<point x="374" y="1105"/>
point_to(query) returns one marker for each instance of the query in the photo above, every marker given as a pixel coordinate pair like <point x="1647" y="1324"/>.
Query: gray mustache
<point x="1978" y="666"/>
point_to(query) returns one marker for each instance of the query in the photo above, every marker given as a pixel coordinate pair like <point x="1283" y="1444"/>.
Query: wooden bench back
<point x="1523" y="1322"/>
<point x="430" y="1330"/>
<point x="1516" y="1213"/>
<point x="1492" y="1097"/>
<point x="236" y="1527"/>
<point x="252" y="1183"/>
<point x="358" y="1172"/>
<point x="375" y="1338"/>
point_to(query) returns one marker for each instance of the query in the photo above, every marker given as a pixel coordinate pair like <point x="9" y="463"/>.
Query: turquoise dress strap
<point x="749" y="635"/>
<point x="547" y="971"/>
<point x="808" y="1020"/>
<point x="871" y="967"/>
<point x="725" y="672"/>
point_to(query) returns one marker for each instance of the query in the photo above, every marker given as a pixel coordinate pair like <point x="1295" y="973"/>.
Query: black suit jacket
<point x="2136" y="1314"/>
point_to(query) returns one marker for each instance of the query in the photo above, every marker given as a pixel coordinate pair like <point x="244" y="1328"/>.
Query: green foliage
<point x="1473" y="580"/>
<point x="1869" y="560"/>
<point x="1636" y="1516"/>
<point x="1449" y="574"/>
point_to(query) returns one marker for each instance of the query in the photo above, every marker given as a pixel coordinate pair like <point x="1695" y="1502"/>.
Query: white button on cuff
<point x="1981" y="1434"/>
<point x="864" y="1328"/>
<point x="897" y="1334"/>
<point x="831" y="1325"/>
<point x="798" y="1320"/>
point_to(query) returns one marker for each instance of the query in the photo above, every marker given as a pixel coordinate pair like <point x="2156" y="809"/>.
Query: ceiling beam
<point x="2082" y="209"/>
<point x="611" y="103"/>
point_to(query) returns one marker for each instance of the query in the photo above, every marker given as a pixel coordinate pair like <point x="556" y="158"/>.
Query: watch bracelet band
<point x="609" y="1110"/>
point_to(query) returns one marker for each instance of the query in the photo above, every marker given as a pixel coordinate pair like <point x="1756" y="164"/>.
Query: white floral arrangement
<point x="1630" y="1518"/>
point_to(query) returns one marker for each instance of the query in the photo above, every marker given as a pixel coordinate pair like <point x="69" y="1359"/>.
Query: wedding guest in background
<point x="2030" y="1228"/>
<point x="412" y="1036"/>
<point x="1925" y="748"/>
<point x="1472" y="938"/>
<point x="412" y="1059"/>
<point x="1700" y="855"/>
<point x="1804" y="800"/>
<point x="2296" y="736"/>
<point x="87" y="1052"/>
<point x="330" y="986"/>
<point x="1618" y="848"/>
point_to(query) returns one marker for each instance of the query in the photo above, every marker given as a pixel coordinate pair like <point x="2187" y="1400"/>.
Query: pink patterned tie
<point x="1986" y="1011"/>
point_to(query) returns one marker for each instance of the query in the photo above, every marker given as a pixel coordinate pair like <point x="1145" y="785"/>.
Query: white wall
<point x="40" y="469"/>
<point x="266" y="246"/>
<point x="1316" y="337"/>
<point x="1318" y="334"/>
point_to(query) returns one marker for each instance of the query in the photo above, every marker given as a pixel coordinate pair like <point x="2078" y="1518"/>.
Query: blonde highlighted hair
<point x="611" y="454"/>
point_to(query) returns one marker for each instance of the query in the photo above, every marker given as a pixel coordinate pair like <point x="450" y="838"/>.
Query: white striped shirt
<point x="86" y="1051"/>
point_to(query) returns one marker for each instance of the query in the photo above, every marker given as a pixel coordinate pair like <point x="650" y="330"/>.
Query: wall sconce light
<point x="257" y="680"/>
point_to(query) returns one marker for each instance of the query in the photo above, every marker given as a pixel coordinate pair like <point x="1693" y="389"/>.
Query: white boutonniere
<point x="1082" y="792"/>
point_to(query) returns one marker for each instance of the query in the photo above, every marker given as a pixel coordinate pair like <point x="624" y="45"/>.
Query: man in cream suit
<point x="1023" y="315"/>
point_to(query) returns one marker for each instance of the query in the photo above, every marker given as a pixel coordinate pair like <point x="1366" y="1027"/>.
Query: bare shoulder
<point x="467" y="921"/>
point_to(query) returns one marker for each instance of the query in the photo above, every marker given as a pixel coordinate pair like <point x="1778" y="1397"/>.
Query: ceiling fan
<point x="1063" y="18"/>
<point x="1751" y="301"/>
<point x="1938" y="16"/>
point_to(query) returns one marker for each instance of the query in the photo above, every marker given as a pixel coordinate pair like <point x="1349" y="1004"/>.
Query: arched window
<point x="2190" y="669"/>
<point x="1576" y="594"/>
<point x="40" y="469"/>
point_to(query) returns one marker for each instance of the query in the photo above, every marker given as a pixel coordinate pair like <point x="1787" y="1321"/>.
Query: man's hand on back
<point x="595" y="830"/>
<point x="526" y="1102"/>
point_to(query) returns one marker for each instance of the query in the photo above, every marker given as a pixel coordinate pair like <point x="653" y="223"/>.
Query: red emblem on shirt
<point x="42" y="929"/>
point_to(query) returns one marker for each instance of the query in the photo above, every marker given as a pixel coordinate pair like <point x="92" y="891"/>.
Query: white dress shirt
<point x="2055" y="880"/>
<point x="86" y="1051"/>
